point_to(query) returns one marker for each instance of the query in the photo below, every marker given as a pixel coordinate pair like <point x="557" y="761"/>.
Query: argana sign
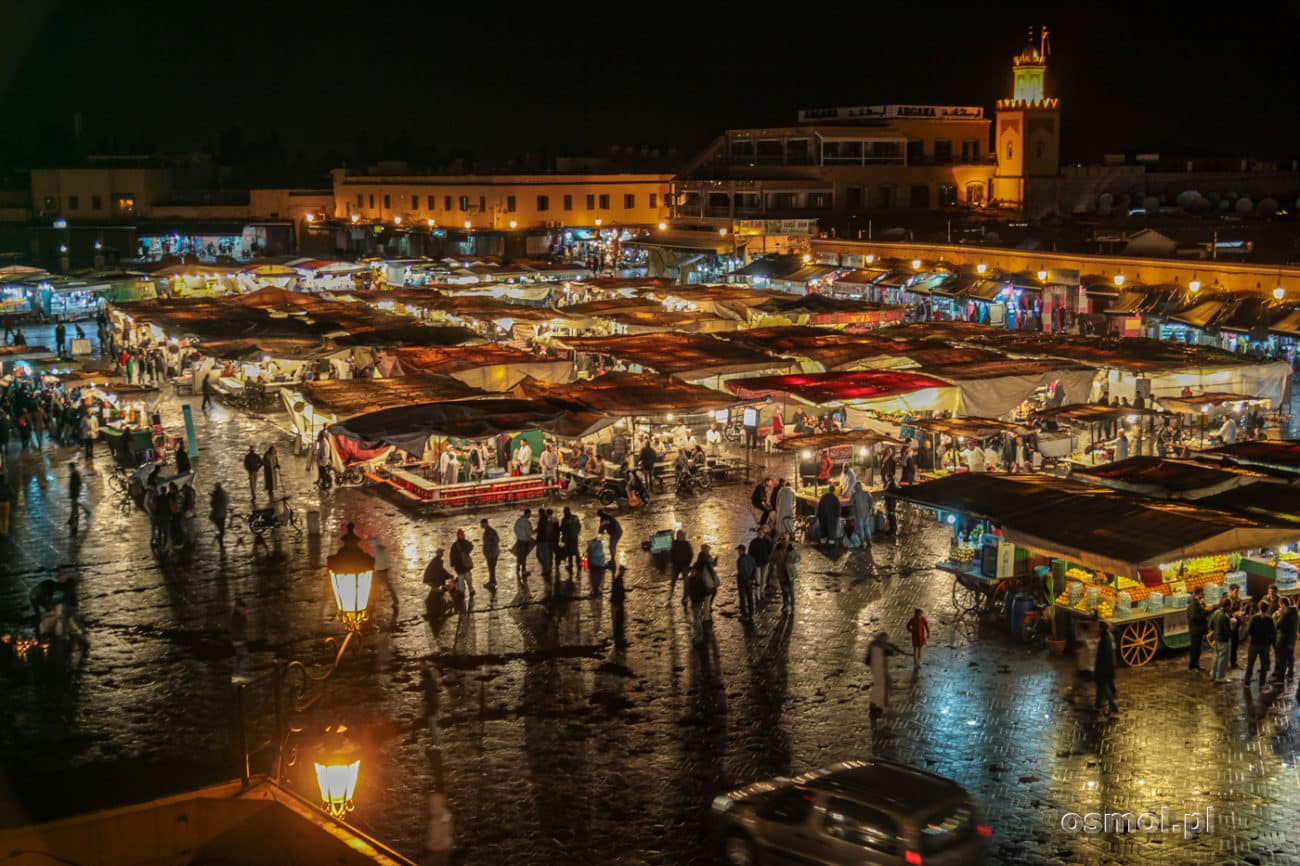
<point x="939" y="112"/>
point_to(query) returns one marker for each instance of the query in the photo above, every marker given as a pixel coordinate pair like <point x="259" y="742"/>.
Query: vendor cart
<point x="974" y="592"/>
<point x="1140" y="633"/>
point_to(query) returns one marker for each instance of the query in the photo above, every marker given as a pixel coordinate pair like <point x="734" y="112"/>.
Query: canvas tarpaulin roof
<point x="693" y="357"/>
<point x="971" y="428"/>
<point x="818" y="441"/>
<point x="409" y="427"/>
<point x="1092" y="413"/>
<point x="345" y="398"/>
<point x="994" y="388"/>
<point x="1095" y="526"/>
<point x="1169" y="479"/>
<point x="1271" y="454"/>
<point x="490" y="368"/>
<point x="631" y="395"/>
<point x="830" y="349"/>
<point x="837" y="387"/>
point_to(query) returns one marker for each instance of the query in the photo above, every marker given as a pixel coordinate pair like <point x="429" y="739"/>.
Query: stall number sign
<point x="1176" y="623"/>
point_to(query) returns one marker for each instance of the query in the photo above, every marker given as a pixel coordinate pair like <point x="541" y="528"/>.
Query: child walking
<point x="919" y="629"/>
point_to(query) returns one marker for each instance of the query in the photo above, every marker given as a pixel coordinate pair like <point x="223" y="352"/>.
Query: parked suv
<point x="873" y="812"/>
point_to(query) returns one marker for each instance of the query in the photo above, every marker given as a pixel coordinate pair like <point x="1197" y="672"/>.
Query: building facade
<point x="502" y="202"/>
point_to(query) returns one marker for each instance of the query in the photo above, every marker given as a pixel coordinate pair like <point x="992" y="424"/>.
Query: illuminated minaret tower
<point x="1028" y="129"/>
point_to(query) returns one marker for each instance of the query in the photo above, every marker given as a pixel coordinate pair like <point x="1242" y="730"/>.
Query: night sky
<point x="574" y="78"/>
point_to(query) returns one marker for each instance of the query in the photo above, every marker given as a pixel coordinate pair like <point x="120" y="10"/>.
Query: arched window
<point x="1009" y="150"/>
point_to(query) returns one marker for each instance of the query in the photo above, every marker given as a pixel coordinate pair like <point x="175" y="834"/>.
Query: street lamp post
<point x="351" y="574"/>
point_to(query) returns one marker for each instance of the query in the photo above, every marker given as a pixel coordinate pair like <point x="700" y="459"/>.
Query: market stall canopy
<point x="275" y="313"/>
<point x="992" y="388"/>
<point x="839" y="438"/>
<point x="701" y="241"/>
<point x="970" y="428"/>
<point x="819" y="309"/>
<point x="637" y="395"/>
<point x="1200" y="315"/>
<point x="1096" y="527"/>
<point x="1288" y="325"/>
<point x="409" y="427"/>
<point x="274" y="347"/>
<point x="493" y="367"/>
<point x="1166" y="479"/>
<point x="646" y="316"/>
<point x="1200" y="402"/>
<point x="1270" y="454"/>
<point x="861" y="277"/>
<point x="693" y="357"/>
<point x="345" y="398"/>
<point x="829" y="349"/>
<point x="844" y="386"/>
<point x="1092" y="413"/>
<point x="1273" y="502"/>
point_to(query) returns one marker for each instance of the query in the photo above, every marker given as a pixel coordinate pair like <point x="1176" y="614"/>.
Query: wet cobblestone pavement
<point x="559" y="747"/>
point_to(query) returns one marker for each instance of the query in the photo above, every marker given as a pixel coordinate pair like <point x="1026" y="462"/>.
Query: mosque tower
<point x="1028" y="130"/>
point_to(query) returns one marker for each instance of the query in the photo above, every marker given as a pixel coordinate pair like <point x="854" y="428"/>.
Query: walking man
<point x="1222" y="627"/>
<point x="252" y="463"/>
<point x="60" y="336"/>
<point x="461" y="561"/>
<point x="1284" y="648"/>
<point x="219" y="506"/>
<point x="523" y="544"/>
<point x="270" y="471"/>
<point x="680" y="557"/>
<point x="74" y="497"/>
<point x="206" y="388"/>
<point x="491" y="543"/>
<point x="785" y="559"/>
<point x="570" y="530"/>
<point x="746" y="573"/>
<point x="611" y="527"/>
<point x="761" y="549"/>
<point x="1262" y="632"/>
<point x="1103" y="669"/>
<point x="1197" y="625"/>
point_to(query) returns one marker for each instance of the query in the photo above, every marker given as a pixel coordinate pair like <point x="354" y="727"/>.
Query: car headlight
<point x="722" y="803"/>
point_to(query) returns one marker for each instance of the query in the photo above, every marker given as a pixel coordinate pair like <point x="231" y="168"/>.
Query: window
<point x="920" y="195"/>
<point x="73" y="202"/>
<point x="947" y="195"/>
<point x="591" y="202"/>
<point x="464" y="203"/>
<point x="124" y="205"/>
<point x="791" y="806"/>
<point x="797" y="152"/>
<point x="1010" y="150"/>
<point x="629" y="201"/>
<point x="604" y="202"/>
<point x="543" y="203"/>
<point x="888" y="195"/>
<point x="970" y="150"/>
<point x="915" y="150"/>
<point x="853" y="197"/>
<point x="388" y="202"/>
<point x="360" y="200"/>
<point x="510" y="204"/>
<point x="482" y="204"/>
<point x="429" y="202"/>
<point x="974" y="193"/>
<point x="654" y="200"/>
<point x="372" y="201"/>
<point x="820" y="200"/>
<point x="415" y="202"/>
<point x="446" y="202"/>
<point x="943" y="150"/>
<point x="861" y="825"/>
<point x="568" y="202"/>
<point x="97" y="202"/>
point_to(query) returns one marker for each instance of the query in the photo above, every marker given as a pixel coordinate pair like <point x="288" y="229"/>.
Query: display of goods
<point x="1235" y="577"/>
<point x="1079" y="574"/>
<point x="961" y="553"/>
<point x="1286" y="575"/>
<point x="1178" y="600"/>
<point x="1075" y="590"/>
<point x="1289" y="556"/>
<point x="1122" y="582"/>
<point x="1093" y="595"/>
<point x="1204" y="564"/>
<point x="1155" y="600"/>
<point x="1213" y="592"/>
<point x="1124" y="602"/>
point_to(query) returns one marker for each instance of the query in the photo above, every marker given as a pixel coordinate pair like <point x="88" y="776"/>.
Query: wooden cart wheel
<point x="1138" y="643"/>
<point x="964" y="599"/>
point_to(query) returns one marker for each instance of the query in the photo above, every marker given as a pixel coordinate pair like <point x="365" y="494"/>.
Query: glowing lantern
<point x="1119" y="279"/>
<point x="351" y="571"/>
<point x="916" y="264"/>
<point x="1279" y="293"/>
<point x="336" y="773"/>
<point x="1042" y="276"/>
<point x="981" y="268"/>
<point x="397" y="221"/>
<point x="1194" y="286"/>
